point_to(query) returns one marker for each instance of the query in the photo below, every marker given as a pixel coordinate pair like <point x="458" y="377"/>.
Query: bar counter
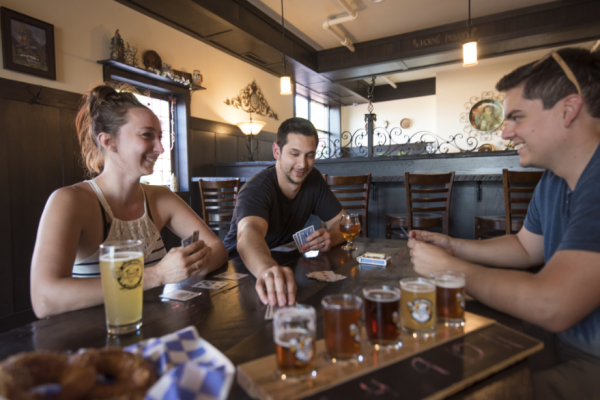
<point x="232" y="318"/>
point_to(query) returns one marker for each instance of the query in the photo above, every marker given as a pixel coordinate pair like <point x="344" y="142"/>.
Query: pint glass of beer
<point x="342" y="322"/>
<point x="382" y="320"/>
<point x="418" y="305"/>
<point x="122" y="272"/>
<point x="294" y="333"/>
<point x="450" y="294"/>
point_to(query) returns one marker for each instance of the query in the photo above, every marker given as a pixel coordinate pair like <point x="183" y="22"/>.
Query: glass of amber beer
<point x="382" y="320"/>
<point x="418" y="305"/>
<point x="122" y="272"/>
<point x="349" y="228"/>
<point x="450" y="295"/>
<point x="294" y="333"/>
<point x="342" y="322"/>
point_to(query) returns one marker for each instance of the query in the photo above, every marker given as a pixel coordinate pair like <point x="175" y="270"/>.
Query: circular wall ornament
<point x="254" y="102"/>
<point x="405" y="123"/>
<point x="486" y="115"/>
<point x="152" y="59"/>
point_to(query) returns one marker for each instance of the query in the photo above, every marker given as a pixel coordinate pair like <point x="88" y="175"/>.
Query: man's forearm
<point x="504" y="251"/>
<point x="255" y="253"/>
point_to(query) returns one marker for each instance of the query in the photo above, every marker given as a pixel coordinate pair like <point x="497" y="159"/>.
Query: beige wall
<point x="83" y="29"/>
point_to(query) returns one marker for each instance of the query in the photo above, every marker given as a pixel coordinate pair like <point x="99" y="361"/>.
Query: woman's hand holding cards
<point x="183" y="262"/>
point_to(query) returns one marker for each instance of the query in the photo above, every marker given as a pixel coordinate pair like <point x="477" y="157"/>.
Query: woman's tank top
<point x="140" y="229"/>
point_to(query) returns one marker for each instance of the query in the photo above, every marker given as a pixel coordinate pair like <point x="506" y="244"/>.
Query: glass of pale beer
<point x="418" y="305"/>
<point x="382" y="319"/>
<point x="342" y="323"/>
<point x="450" y="295"/>
<point x="122" y="272"/>
<point x="294" y="333"/>
<point x="349" y="228"/>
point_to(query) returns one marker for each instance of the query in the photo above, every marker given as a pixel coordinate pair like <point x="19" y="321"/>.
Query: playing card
<point x="304" y="233"/>
<point x="230" y="275"/>
<point x="192" y="239"/>
<point x="195" y="236"/>
<point x="295" y="237"/>
<point x="270" y="312"/>
<point x="179" y="295"/>
<point x="326" y="276"/>
<point x="291" y="246"/>
<point x="213" y="285"/>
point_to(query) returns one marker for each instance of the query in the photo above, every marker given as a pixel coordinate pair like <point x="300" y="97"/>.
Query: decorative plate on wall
<point x="486" y="115"/>
<point x="152" y="59"/>
<point x="406" y="123"/>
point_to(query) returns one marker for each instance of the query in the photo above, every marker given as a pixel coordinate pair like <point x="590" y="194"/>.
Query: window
<point x="163" y="168"/>
<point x="318" y="114"/>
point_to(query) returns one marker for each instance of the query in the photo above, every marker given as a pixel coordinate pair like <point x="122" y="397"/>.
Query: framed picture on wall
<point x="27" y="44"/>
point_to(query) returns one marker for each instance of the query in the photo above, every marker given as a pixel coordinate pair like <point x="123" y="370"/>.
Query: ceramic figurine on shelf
<point x="131" y="54"/>
<point x="197" y="78"/>
<point x="117" y="48"/>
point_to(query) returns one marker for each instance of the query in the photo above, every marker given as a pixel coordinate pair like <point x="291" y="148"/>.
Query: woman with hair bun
<point x="120" y="142"/>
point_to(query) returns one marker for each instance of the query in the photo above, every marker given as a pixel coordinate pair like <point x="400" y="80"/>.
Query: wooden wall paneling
<point x="242" y="148"/>
<point x="6" y="259"/>
<point x="391" y="199"/>
<point x="467" y="165"/>
<point x="72" y="168"/>
<point x="226" y="148"/>
<point x="202" y="152"/>
<point x="35" y="163"/>
<point x="247" y="171"/>
<point x="265" y="150"/>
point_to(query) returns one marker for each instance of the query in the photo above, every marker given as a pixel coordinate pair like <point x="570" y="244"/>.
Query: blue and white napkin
<point x="189" y="367"/>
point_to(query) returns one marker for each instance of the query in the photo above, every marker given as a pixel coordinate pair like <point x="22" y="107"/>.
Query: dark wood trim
<point x="206" y="125"/>
<point x="404" y="90"/>
<point x="26" y="92"/>
<point x="16" y="320"/>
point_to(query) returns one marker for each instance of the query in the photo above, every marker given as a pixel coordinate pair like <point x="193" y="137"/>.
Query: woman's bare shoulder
<point x="77" y="195"/>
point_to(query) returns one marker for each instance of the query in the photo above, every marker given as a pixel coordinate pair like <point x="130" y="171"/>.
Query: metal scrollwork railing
<point x="395" y="143"/>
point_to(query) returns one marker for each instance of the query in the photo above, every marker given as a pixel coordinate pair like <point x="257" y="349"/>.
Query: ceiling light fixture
<point x="285" y="81"/>
<point x="470" y="46"/>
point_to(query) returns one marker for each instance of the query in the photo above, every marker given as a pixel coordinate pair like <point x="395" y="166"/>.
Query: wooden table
<point x="232" y="319"/>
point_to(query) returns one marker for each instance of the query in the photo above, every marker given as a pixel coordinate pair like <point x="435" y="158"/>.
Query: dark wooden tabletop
<point x="232" y="319"/>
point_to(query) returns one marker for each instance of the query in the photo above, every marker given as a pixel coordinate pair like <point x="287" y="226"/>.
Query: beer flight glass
<point x="122" y="275"/>
<point x="382" y="319"/>
<point x="342" y="324"/>
<point x="450" y="295"/>
<point x="294" y="333"/>
<point x="349" y="228"/>
<point x="418" y="305"/>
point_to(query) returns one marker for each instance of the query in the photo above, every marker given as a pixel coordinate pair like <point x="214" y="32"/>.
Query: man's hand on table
<point x="430" y="257"/>
<point x="276" y="286"/>
<point x="440" y="240"/>
<point x="319" y="240"/>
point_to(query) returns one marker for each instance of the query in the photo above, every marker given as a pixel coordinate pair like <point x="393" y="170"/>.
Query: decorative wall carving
<point x="251" y="100"/>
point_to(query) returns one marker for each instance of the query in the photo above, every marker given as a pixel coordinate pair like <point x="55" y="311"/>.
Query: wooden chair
<point x="218" y="201"/>
<point x="352" y="202"/>
<point x="523" y="184"/>
<point x="423" y="217"/>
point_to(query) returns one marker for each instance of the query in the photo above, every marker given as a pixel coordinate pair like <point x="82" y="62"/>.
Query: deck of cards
<point x="300" y="236"/>
<point x="379" y="259"/>
<point x="326" y="276"/>
<point x="192" y="239"/>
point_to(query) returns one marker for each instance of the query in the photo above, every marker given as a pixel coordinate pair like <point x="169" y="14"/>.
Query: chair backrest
<point x="218" y="201"/>
<point x="441" y="183"/>
<point x="352" y="197"/>
<point x="523" y="184"/>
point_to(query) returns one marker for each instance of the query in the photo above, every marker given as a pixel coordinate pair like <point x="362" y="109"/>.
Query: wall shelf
<point x="146" y="74"/>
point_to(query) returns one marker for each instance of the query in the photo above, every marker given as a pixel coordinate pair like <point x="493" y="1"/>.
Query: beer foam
<point x="450" y="282"/>
<point x="382" y="296"/>
<point x="120" y="257"/>
<point x="418" y="286"/>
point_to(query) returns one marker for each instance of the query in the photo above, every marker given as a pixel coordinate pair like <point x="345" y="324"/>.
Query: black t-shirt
<point x="262" y="197"/>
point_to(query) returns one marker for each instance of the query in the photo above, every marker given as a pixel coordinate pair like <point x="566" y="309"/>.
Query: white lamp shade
<point x="286" y="85"/>
<point x="469" y="54"/>
<point x="251" y="127"/>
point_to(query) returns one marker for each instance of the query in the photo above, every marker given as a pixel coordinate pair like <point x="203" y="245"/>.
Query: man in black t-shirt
<point x="276" y="203"/>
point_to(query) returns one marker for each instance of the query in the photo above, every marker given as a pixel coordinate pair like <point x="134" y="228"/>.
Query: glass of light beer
<point x="382" y="320"/>
<point x="349" y="228"/>
<point x="294" y="333"/>
<point x="342" y="323"/>
<point x="450" y="295"/>
<point x="418" y="305"/>
<point x="122" y="272"/>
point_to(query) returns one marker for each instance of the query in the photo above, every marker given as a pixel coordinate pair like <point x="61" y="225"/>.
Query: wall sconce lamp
<point x="251" y="128"/>
<point x="285" y="81"/>
<point x="470" y="46"/>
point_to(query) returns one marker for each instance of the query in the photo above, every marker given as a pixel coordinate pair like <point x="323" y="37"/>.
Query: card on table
<point x="213" y="285"/>
<point x="326" y="276"/>
<point x="179" y="295"/>
<point x="291" y="246"/>
<point x="231" y="275"/>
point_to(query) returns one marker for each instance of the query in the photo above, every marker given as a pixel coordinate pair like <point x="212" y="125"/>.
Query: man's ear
<point x="276" y="151"/>
<point x="572" y="106"/>
<point x="107" y="141"/>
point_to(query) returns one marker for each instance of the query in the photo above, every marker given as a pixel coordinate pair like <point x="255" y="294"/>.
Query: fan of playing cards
<point x="300" y="237"/>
